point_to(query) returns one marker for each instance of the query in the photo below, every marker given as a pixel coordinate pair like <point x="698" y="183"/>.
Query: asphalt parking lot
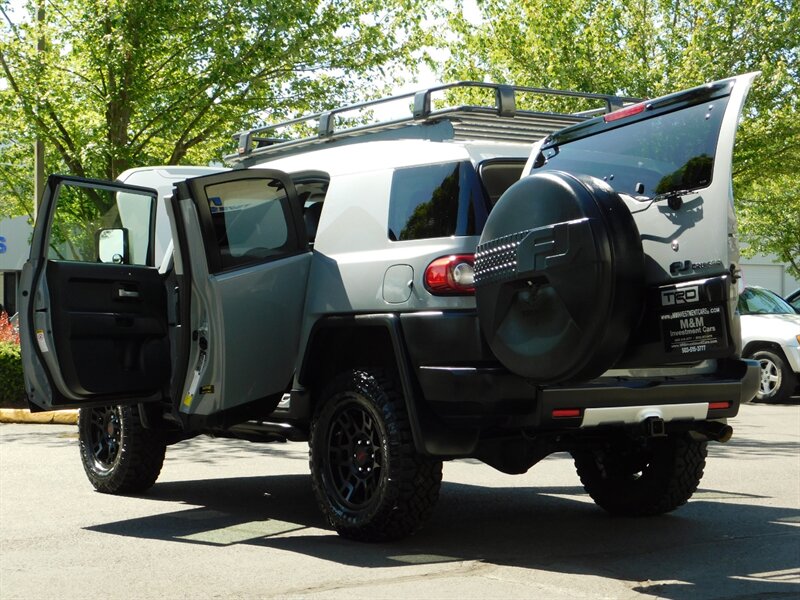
<point x="231" y="519"/>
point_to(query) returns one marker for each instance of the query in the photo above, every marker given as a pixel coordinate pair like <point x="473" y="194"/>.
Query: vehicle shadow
<point x="710" y="548"/>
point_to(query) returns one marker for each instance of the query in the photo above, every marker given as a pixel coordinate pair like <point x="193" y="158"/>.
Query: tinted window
<point x="436" y="201"/>
<point x="498" y="175"/>
<point x="671" y="152"/>
<point x="250" y="220"/>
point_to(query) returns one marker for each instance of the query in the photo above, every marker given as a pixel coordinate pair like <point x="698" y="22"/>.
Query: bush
<point x="12" y="384"/>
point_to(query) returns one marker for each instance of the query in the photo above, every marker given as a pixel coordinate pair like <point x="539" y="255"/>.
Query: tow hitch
<point x="654" y="427"/>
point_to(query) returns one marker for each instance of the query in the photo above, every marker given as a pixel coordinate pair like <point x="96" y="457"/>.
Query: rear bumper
<point x="481" y="396"/>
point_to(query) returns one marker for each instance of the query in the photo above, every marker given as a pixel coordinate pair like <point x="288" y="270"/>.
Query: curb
<point x="23" y="415"/>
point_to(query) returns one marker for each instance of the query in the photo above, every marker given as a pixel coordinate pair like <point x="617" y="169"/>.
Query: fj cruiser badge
<point x="688" y="266"/>
<point x="684" y="295"/>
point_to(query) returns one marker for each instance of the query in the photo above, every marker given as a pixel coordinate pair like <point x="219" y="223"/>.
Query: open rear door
<point x="93" y="308"/>
<point x="242" y="262"/>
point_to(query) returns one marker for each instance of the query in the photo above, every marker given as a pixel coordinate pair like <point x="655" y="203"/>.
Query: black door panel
<point x="109" y="327"/>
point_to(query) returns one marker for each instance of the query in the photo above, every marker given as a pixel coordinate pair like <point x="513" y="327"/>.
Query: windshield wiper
<point x="674" y="198"/>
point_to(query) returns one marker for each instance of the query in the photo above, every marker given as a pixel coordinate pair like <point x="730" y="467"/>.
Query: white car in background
<point x="771" y="335"/>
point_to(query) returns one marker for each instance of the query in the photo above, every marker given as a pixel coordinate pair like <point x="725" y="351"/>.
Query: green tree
<point x="16" y="161"/>
<point x="647" y="48"/>
<point x="123" y="83"/>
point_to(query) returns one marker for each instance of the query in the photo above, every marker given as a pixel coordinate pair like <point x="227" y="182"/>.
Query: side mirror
<point x="112" y="246"/>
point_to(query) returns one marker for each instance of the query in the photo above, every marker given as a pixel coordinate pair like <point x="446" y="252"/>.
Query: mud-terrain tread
<point x="142" y="456"/>
<point x="668" y="482"/>
<point x="412" y="490"/>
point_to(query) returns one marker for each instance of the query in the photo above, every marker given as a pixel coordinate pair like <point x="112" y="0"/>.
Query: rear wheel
<point x="119" y="455"/>
<point x="368" y="479"/>
<point x="638" y="479"/>
<point x="777" y="379"/>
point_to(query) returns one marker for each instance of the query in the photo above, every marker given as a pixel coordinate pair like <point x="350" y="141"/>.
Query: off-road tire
<point x="628" y="479"/>
<point x="368" y="479"/>
<point x="777" y="382"/>
<point x="118" y="454"/>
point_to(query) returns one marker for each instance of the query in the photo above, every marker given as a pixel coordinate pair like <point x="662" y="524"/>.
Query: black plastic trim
<point x="391" y="323"/>
<point x="492" y="395"/>
<point x="456" y="335"/>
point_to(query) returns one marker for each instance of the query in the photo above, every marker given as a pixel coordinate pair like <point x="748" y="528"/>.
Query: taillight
<point x="454" y="274"/>
<point x="628" y="111"/>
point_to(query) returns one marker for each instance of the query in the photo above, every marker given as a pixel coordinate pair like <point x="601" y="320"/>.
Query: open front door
<point x="93" y="308"/>
<point x="242" y="261"/>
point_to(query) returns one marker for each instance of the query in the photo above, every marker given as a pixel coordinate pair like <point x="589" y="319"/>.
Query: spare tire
<point x="559" y="277"/>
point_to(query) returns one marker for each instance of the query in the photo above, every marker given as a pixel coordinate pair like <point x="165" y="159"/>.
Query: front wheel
<point x="119" y="455"/>
<point x="639" y="479"/>
<point x="367" y="477"/>
<point x="777" y="379"/>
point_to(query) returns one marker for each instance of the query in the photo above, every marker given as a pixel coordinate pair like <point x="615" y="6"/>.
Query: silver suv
<point x="476" y="281"/>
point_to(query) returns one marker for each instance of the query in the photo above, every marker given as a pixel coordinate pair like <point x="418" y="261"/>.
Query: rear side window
<point x="499" y="174"/>
<point x="668" y="153"/>
<point x="436" y="201"/>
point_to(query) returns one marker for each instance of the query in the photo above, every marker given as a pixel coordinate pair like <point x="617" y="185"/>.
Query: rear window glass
<point x="668" y="153"/>
<point x="436" y="201"/>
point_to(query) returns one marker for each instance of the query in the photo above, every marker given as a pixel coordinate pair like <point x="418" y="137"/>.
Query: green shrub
<point x="12" y="384"/>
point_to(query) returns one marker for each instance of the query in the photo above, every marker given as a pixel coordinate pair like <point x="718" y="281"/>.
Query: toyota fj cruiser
<point x="472" y="281"/>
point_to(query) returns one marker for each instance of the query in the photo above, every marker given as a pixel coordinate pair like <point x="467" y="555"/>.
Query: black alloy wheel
<point x="355" y="457"/>
<point x="369" y="481"/>
<point x="119" y="454"/>
<point x="105" y="437"/>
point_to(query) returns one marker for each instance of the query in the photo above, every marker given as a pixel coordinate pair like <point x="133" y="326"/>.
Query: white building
<point x="15" y="239"/>
<point x="766" y="272"/>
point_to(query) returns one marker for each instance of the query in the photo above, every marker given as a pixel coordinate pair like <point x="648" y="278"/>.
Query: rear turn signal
<point x="448" y="275"/>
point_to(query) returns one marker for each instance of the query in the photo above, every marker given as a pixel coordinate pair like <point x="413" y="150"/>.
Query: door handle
<point x="127" y="293"/>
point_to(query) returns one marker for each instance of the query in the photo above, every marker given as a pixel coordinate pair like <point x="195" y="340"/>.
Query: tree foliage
<point x="646" y="48"/>
<point x="123" y="83"/>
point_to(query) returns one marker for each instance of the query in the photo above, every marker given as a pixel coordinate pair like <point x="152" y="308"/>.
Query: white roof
<point x="379" y="155"/>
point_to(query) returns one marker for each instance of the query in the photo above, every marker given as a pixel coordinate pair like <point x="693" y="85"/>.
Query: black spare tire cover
<point x="559" y="277"/>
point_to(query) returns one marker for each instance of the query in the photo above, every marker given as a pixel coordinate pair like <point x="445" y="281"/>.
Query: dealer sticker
<point x="693" y="330"/>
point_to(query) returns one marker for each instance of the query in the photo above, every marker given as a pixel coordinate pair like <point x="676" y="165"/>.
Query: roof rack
<point x="501" y="122"/>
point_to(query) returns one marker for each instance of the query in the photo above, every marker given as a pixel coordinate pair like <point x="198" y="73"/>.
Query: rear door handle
<point x="127" y="293"/>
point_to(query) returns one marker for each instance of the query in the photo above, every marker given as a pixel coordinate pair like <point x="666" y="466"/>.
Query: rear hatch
<point x="669" y="162"/>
